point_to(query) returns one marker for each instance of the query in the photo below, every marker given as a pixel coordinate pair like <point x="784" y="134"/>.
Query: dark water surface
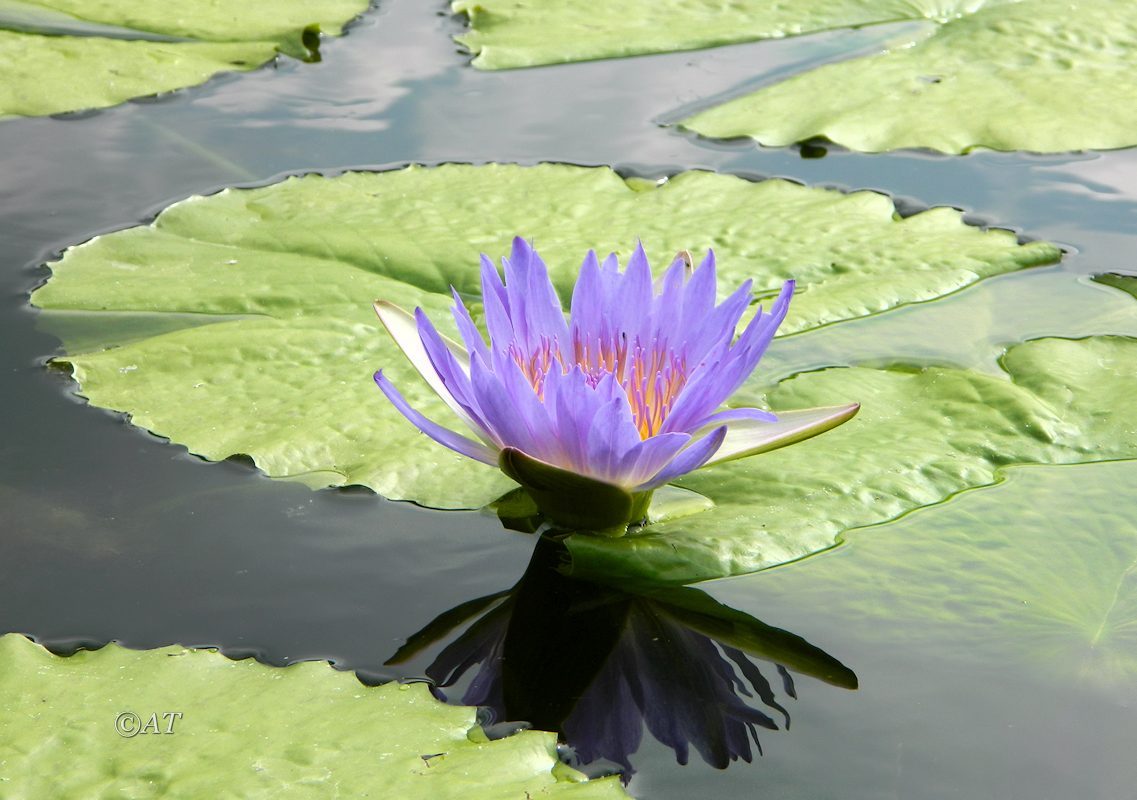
<point x="111" y="533"/>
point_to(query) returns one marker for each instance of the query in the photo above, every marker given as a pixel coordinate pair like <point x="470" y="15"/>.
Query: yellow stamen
<point x="651" y="376"/>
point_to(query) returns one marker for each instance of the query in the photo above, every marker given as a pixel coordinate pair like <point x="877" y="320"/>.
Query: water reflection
<point x="599" y="664"/>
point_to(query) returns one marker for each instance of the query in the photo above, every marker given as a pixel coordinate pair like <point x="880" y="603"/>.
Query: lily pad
<point x="1039" y="75"/>
<point x="284" y="277"/>
<point x="180" y="723"/>
<point x="1126" y="283"/>
<point x="922" y="436"/>
<point x="973" y="327"/>
<point x="70" y="55"/>
<point x="1021" y="573"/>
<point x="515" y="33"/>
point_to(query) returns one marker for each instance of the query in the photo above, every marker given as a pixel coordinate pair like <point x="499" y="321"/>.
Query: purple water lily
<point x="620" y="398"/>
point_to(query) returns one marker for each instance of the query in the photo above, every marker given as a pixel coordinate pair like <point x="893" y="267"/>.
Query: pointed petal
<point x="732" y="415"/>
<point x="718" y="324"/>
<point x="719" y="376"/>
<point x="404" y="330"/>
<point x="453" y="374"/>
<point x="501" y="416"/>
<point x="743" y="358"/>
<point x="530" y="411"/>
<point x="517" y="290"/>
<point x="761" y="329"/>
<point x="681" y="265"/>
<point x="444" y="436"/>
<point x="609" y="280"/>
<point x="750" y="437"/>
<point x="691" y="459"/>
<point x="496" y="303"/>
<point x="650" y="456"/>
<point x="668" y="302"/>
<point x="699" y="294"/>
<point x="587" y="301"/>
<point x="491" y="281"/>
<point x="612" y="434"/>
<point x="633" y="299"/>
<point x="702" y="394"/>
<point x="546" y="314"/>
<point x="466" y="327"/>
<point x="576" y="406"/>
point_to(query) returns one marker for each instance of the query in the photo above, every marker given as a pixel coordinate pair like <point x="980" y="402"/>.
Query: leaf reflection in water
<point x="598" y="664"/>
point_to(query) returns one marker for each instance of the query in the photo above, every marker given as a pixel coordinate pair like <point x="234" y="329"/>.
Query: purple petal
<point x="669" y="296"/>
<point x="576" y="406"/>
<point x="444" y="436"/>
<point x="587" y="301"/>
<point x="612" y="433"/>
<point x="735" y="415"/>
<point x="496" y="302"/>
<point x="491" y="281"/>
<point x="699" y="297"/>
<point x="721" y="374"/>
<point x="650" y="456"/>
<point x="610" y="280"/>
<point x="752" y="344"/>
<point x="530" y="412"/>
<point x="501" y="417"/>
<point x="516" y="289"/>
<point x="702" y="394"/>
<point x="546" y="314"/>
<point x="689" y="460"/>
<point x="404" y="330"/>
<point x="719" y="324"/>
<point x="471" y="336"/>
<point x="633" y="300"/>
<point x="450" y="371"/>
<point x="761" y="329"/>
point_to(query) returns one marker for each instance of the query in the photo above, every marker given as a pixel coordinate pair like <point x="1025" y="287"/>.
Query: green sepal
<point x="575" y="502"/>
<point x="518" y="511"/>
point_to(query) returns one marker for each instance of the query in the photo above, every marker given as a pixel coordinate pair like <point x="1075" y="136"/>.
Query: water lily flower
<point x="593" y="412"/>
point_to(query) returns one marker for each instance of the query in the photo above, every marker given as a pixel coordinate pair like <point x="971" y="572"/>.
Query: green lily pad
<point x="1021" y="573"/>
<point x="922" y="436"/>
<point x="284" y="277"/>
<point x="972" y="328"/>
<point x="1039" y="75"/>
<point x="180" y="723"/>
<point x="1126" y="283"/>
<point x="505" y="34"/>
<point x="70" y="55"/>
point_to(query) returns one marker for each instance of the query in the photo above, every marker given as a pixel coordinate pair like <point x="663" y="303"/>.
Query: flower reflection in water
<point x="598" y="665"/>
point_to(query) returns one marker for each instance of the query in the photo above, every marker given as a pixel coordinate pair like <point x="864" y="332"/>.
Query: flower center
<point x="652" y="375"/>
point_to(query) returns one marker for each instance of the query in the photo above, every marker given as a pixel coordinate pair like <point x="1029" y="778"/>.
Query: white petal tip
<point x="751" y="437"/>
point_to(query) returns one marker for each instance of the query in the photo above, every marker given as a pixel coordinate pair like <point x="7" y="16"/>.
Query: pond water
<point x="113" y="534"/>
